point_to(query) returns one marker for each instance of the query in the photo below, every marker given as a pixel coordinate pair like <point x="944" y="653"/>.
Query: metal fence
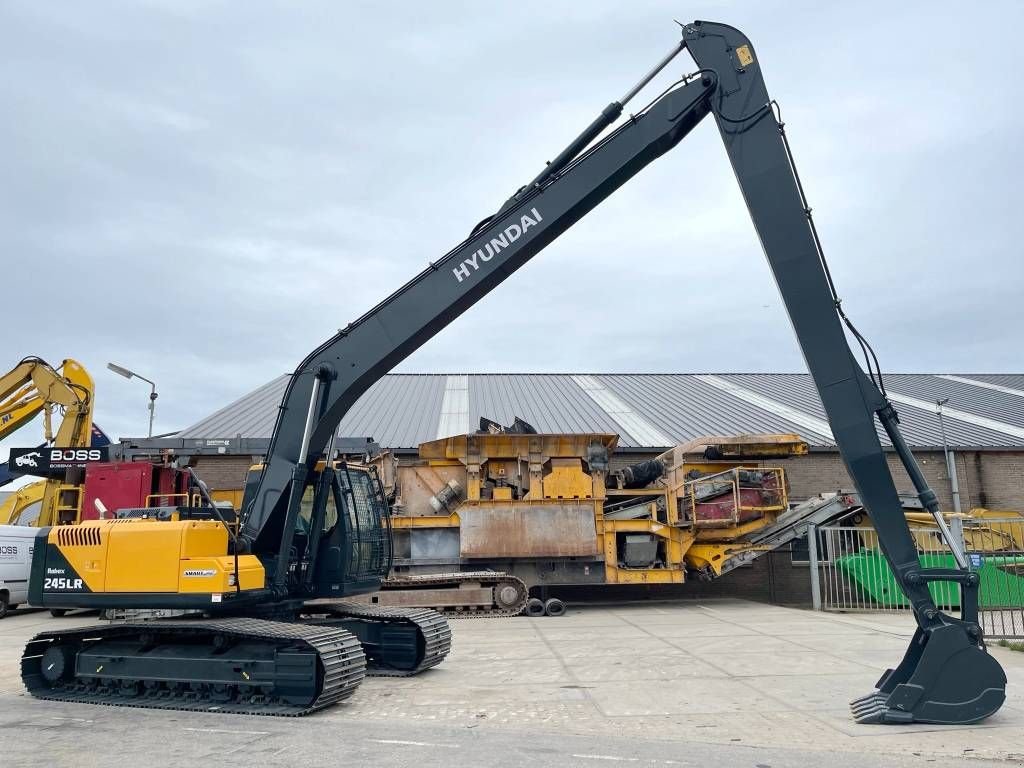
<point x="853" y="575"/>
<point x="995" y="548"/>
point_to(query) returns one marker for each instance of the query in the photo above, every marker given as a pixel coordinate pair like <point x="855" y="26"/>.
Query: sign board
<point x="53" y="462"/>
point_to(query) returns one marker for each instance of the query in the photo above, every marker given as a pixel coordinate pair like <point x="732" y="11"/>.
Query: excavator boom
<point x="32" y="387"/>
<point x="946" y="675"/>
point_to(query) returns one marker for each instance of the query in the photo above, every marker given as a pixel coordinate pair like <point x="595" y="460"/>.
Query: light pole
<point x="954" y="485"/>
<point x="121" y="371"/>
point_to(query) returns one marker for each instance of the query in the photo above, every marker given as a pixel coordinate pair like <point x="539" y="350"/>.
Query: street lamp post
<point x="954" y="485"/>
<point x="122" y="371"/>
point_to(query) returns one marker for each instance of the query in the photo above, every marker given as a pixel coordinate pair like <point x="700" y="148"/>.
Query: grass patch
<point x="1012" y="645"/>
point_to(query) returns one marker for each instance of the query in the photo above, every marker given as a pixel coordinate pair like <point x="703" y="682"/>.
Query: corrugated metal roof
<point x="403" y="410"/>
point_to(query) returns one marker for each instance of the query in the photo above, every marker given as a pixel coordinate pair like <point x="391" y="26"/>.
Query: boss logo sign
<point x="52" y="462"/>
<point x="58" y="455"/>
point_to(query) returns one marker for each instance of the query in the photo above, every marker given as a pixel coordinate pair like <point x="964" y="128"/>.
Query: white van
<point x="16" y="542"/>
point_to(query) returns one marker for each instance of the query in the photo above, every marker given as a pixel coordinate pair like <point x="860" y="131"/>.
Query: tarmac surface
<point x="723" y="682"/>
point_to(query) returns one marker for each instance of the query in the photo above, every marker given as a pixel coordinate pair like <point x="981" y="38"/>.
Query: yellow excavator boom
<point x="32" y="387"/>
<point x="21" y="500"/>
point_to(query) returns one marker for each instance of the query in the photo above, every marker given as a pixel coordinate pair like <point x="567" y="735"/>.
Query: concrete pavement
<point x="729" y="681"/>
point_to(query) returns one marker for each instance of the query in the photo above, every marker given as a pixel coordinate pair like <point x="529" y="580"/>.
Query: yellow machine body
<point x="153" y="556"/>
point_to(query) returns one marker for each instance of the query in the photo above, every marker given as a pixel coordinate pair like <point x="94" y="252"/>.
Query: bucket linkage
<point x="946" y="675"/>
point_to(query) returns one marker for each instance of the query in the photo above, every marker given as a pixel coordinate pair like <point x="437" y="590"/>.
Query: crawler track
<point x="510" y="593"/>
<point x="399" y="642"/>
<point x="240" y="666"/>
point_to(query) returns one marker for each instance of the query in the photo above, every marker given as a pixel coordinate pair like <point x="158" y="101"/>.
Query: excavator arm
<point x="946" y="675"/>
<point x="32" y="387"/>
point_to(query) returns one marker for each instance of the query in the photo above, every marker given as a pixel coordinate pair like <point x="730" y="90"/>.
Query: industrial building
<point x="983" y="421"/>
<point x="981" y="425"/>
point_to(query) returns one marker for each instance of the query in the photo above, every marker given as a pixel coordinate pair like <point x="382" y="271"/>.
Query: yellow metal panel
<point x="203" y="538"/>
<point x="567" y="480"/>
<point x="212" y="574"/>
<point x="425" y="521"/>
<point x="512" y="446"/>
<point x="674" y="545"/>
<point x="715" y="556"/>
<point x="85" y="548"/>
<point x="502" y="494"/>
<point x="233" y="496"/>
<point x="615" y="575"/>
<point x="143" y="555"/>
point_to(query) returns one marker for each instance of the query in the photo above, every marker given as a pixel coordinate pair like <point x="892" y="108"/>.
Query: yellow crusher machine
<point x="550" y="510"/>
<point x="272" y="645"/>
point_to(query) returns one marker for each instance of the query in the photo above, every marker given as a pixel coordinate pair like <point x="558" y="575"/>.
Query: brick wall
<point x="993" y="479"/>
<point x="824" y="471"/>
<point x="223" y="473"/>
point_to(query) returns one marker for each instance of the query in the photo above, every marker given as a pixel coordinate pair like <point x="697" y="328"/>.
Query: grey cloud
<point x="225" y="184"/>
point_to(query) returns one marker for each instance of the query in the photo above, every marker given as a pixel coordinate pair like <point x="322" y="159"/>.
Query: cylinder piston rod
<point x="608" y="116"/>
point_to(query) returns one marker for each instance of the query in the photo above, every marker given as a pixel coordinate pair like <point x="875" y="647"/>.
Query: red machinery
<point x="123" y="485"/>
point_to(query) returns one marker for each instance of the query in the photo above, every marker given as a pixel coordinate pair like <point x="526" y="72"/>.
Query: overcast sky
<point x="205" y="191"/>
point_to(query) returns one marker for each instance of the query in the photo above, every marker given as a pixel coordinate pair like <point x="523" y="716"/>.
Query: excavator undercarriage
<point x="236" y="665"/>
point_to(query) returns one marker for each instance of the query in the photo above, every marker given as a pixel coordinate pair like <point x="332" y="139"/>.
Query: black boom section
<point x="350" y="362"/>
<point x="946" y="676"/>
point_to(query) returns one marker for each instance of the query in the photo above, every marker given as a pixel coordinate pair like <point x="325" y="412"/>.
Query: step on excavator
<point x="262" y="651"/>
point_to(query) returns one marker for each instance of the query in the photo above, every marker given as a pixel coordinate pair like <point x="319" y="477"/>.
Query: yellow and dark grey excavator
<point x="32" y="387"/>
<point x="278" y="641"/>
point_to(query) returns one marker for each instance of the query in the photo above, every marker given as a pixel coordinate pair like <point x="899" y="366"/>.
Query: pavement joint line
<point x="607" y="757"/>
<point x="581" y="684"/>
<point x="789" y="639"/>
<point x="741" y="680"/>
<point x="227" y="730"/>
<point x="617" y="758"/>
<point x="405" y="743"/>
<point x="745" y="682"/>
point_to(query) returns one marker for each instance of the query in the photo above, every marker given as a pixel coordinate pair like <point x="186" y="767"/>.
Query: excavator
<point x="32" y="387"/>
<point x="265" y="649"/>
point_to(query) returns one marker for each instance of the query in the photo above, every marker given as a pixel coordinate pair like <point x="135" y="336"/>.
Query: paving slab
<point x="680" y="675"/>
<point x="639" y="669"/>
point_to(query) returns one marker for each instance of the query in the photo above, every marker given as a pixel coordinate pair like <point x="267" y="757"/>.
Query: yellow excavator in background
<point x="32" y="387"/>
<point x="22" y="503"/>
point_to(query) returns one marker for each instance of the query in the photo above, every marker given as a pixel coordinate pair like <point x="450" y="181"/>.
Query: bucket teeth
<point x="945" y="677"/>
<point x="870" y="708"/>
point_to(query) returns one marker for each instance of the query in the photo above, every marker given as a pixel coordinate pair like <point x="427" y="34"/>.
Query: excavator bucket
<point x="943" y="678"/>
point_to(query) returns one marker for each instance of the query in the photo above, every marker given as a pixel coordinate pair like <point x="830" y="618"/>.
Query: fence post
<point x="812" y="556"/>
